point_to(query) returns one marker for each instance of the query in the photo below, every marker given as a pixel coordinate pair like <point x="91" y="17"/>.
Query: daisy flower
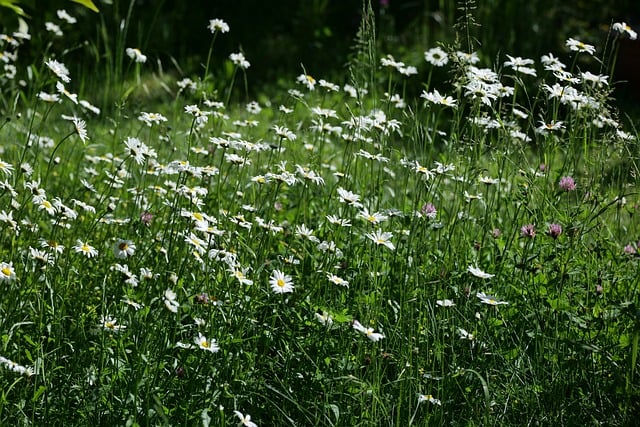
<point x="436" y="98"/>
<point x="123" y="248"/>
<point x="48" y="97"/>
<point x="8" y="219"/>
<point x="170" y="301"/>
<point x="546" y="128"/>
<point x="81" y="129"/>
<point x="136" y="55"/>
<point x="551" y="63"/>
<point x="479" y="273"/>
<point x="330" y="246"/>
<point x="280" y="282"/>
<point x="42" y="258"/>
<point x="445" y="303"/>
<point x="373" y="218"/>
<point x="324" y="318"/>
<point x="13" y="366"/>
<point x="349" y="197"/>
<point x="598" y="79"/>
<point x="307" y="81"/>
<point x="88" y="106"/>
<point x="53" y="28"/>
<point x="489" y="299"/>
<point x="436" y="57"/>
<point x="85" y="249"/>
<point x="389" y="61"/>
<point x="309" y="175"/>
<point x="205" y="344"/>
<point x="487" y="180"/>
<point x="464" y="335"/>
<point x="469" y="197"/>
<point x="240" y="274"/>
<point x="578" y="46"/>
<point x="138" y="150"/>
<point x="408" y="70"/>
<point x="284" y="133"/>
<point x="52" y="245"/>
<point x="467" y="58"/>
<point x="337" y="280"/>
<point x="625" y="136"/>
<point x="7" y="273"/>
<point x="61" y="89"/>
<point x="623" y="28"/>
<point x="6" y="169"/>
<point x="373" y="336"/>
<point x="218" y="25"/>
<point x="151" y="118"/>
<point x="380" y="237"/>
<point x="429" y="398"/>
<point x="59" y="69"/>
<point x="483" y="91"/>
<point x="333" y="219"/>
<point x="520" y="65"/>
<point x="136" y="306"/>
<point x="303" y="232"/>
<point x="109" y="323"/>
<point x="397" y="101"/>
<point x="245" y="420"/>
<point x="484" y="75"/>
<point x="332" y="87"/>
<point x="239" y="60"/>
<point x="64" y="15"/>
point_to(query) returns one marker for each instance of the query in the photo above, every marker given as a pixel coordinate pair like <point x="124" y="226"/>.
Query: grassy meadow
<point x="452" y="241"/>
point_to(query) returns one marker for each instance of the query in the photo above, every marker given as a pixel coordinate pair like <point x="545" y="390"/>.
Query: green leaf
<point x="38" y="393"/>
<point x="11" y="4"/>
<point x="624" y="340"/>
<point x="86" y="3"/>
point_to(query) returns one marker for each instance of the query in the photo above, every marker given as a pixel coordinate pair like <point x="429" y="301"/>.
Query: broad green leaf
<point x="88" y="4"/>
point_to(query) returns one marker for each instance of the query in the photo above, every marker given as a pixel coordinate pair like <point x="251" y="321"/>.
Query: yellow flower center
<point x="123" y="246"/>
<point x="6" y="271"/>
<point x="280" y="283"/>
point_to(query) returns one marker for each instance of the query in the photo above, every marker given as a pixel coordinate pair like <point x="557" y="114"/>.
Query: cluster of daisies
<point x="581" y="91"/>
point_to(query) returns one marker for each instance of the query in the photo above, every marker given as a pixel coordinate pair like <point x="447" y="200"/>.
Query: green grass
<point x="212" y="209"/>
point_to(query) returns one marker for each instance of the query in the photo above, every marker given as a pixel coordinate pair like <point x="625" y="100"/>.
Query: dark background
<point x="278" y="36"/>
